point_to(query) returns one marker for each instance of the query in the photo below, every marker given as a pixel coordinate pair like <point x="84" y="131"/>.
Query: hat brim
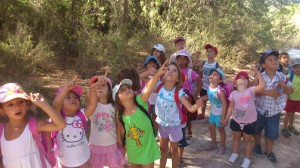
<point x="117" y="87"/>
<point x="13" y="96"/>
<point x="219" y="71"/>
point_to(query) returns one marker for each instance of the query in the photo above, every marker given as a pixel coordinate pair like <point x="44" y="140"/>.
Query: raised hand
<point x="162" y="69"/>
<point x="71" y="84"/>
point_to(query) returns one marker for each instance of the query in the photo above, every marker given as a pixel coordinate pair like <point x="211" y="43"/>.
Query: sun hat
<point x="180" y="38"/>
<point x="220" y="71"/>
<point x="242" y="73"/>
<point x="296" y="62"/>
<point x="11" y="91"/>
<point x="184" y="53"/>
<point x="77" y="89"/>
<point x="266" y="53"/>
<point x="117" y="87"/>
<point x="94" y="79"/>
<point x="159" y="47"/>
<point x="151" y="58"/>
<point x="207" y="46"/>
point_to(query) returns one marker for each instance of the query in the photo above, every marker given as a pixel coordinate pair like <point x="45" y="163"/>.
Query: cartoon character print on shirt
<point x="75" y="134"/>
<point x="103" y="122"/>
<point x="135" y="134"/>
<point x="213" y="98"/>
<point x="168" y="112"/>
<point x="244" y="102"/>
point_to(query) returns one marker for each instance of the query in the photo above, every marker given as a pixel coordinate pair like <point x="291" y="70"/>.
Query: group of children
<point x="154" y="102"/>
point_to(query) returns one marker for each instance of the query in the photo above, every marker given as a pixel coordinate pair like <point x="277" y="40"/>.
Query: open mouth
<point x="18" y="113"/>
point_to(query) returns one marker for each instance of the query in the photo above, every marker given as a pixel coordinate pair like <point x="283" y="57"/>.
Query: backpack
<point x="43" y="142"/>
<point x="190" y="98"/>
<point x="228" y="88"/>
<point x="291" y="76"/>
<point x="216" y="67"/>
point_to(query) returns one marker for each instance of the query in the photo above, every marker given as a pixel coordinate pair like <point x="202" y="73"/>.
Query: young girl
<point x="284" y="65"/>
<point x="18" y="147"/>
<point x="243" y="112"/>
<point x="103" y="136"/>
<point x="158" y="50"/>
<point x="72" y="145"/>
<point x="168" y="115"/>
<point x="217" y="99"/>
<point x="141" y="146"/>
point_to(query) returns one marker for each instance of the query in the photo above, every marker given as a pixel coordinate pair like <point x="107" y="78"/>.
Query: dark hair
<point x="180" y="81"/>
<point x="132" y="74"/>
<point x="162" y="59"/>
<point x="282" y="54"/>
<point x="152" y="60"/>
<point x="109" y="94"/>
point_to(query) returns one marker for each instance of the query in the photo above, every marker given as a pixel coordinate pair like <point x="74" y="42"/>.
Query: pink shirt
<point x="188" y="84"/>
<point x="244" y="110"/>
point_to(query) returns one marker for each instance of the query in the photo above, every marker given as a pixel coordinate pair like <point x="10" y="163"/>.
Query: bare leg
<point x="212" y="132"/>
<point x="222" y="135"/>
<point x="248" y="145"/>
<point x="175" y="155"/>
<point x="269" y="145"/>
<point x="163" y="150"/>
<point x="236" y="141"/>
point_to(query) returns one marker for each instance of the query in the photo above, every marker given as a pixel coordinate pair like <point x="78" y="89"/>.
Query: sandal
<point x="293" y="130"/>
<point x="286" y="133"/>
<point x="189" y="137"/>
<point x="222" y="150"/>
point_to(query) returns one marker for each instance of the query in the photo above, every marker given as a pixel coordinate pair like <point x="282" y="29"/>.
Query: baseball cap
<point x="207" y="46"/>
<point x="151" y="58"/>
<point x="77" y="89"/>
<point x="11" y="91"/>
<point x="242" y="73"/>
<point x="184" y="53"/>
<point x="159" y="47"/>
<point x="220" y="71"/>
<point x="180" y="38"/>
<point x="266" y="53"/>
<point x="296" y="62"/>
<point x="117" y="87"/>
<point x="94" y="79"/>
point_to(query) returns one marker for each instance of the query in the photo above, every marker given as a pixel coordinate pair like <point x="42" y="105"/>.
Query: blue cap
<point x="220" y="71"/>
<point x="151" y="58"/>
<point x="266" y="54"/>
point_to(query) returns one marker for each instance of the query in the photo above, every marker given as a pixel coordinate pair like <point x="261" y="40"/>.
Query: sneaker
<point x="246" y="163"/>
<point x="293" y="130"/>
<point x="222" y="150"/>
<point x="233" y="158"/>
<point x="285" y="133"/>
<point x="271" y="157"/>
<point x="180" y="163"/>
<point x="257" y="150"/>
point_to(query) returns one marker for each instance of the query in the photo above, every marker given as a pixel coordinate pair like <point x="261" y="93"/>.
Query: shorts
<point x="174" y="133"/>
<point x="203" y="92"/>
<point x="182" y="143"/>
<point x="247" y="129"/>
<point x="292" y="106"/>
<point x="213" y="119"/>
<point x="270" y="124"/>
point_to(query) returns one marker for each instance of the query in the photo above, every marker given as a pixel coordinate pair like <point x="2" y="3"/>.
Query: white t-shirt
<point x="72" y="145"/>
<point x="206" y="70"/>
<point x="103" y="125"/>
<point x="22" y="151"/>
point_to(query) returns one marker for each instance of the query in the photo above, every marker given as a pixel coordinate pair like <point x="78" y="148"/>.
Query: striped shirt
<point x="267" y="105"/>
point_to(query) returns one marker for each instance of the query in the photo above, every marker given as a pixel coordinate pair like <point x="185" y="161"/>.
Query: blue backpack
<point x="291" y="76"/>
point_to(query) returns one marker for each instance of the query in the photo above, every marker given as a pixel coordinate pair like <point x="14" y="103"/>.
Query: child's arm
<point x="198" y="88"/>
<point x="286" y="89"/>
<point x="189" y="106"/>
<point x="229" y="111"/>
<point x="93" y="100"/>
<point x="145" y="74"/>
<point x="224" y="105"/>
<point x="152" y="83"/>
<point x="57" y="122"/>
<point x="204" y="98"/>
<point x="261" y="81"/>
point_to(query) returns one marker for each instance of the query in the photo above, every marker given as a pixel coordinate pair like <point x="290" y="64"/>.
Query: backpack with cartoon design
<point x="227" y="87"/>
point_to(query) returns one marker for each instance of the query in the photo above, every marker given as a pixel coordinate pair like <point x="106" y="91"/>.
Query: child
<point x="207" y="66"/>
<point x="168" y="115"/>
<point x="179" y="45"/>
<point x="293" y="102"/>
<point x="132" y="74"/>
<point x="269" y="103"/>
<point x="243" y="112"/>
<point x="217" y="99"/>
<point x="103" y="136"/>
<point x="158" y="50"/>
<point x="72" y="145"/>
<point x="284" y="63"/>
<point x="18" y="147"/>
<point x="137" y="127"/>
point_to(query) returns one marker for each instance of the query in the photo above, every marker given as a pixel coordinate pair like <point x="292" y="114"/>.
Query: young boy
<point x="207" y="66"/>
<point x="284" y="66"/>
<point x="179" y="45"/>
<point x="293" y="102"/>
<point x="270" y="103"/>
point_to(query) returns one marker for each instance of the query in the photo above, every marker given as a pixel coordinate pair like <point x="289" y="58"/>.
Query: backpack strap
<point x="189" y="74"/>
<point x="177" y="100"/>
<point x="145" y="112"/>
<point x="291" y="76"/>
<point x="217" y="65"/>
<point x="143" y="84"/>
<point x="1" y="131"/>
<point x="36" y="136"/>
<point x="203" y="63"/>
<point x="83" y="119"/>
<point x="159" y="87"/>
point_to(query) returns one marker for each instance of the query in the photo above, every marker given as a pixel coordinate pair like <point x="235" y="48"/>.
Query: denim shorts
<point x="174" y="133"/>
<point x="270" y="124"/>
<point x="182" y="143"/>
<point x="213" y="119"/>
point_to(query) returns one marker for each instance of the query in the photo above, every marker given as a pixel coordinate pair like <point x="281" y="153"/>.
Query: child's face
<point x="271" y="63"/>
<point x="15" y="108"/>
<point x="152" y="64"/>
<point x="210" y="53"/>
<point x="102" y="91"/>
<point x="284" y="59"/>
<point x="242" y="82"/>
<point x="182" y="61"/>
<point x="180" y="45"/>
<point x="71" y="103"/>
<point x="125" y="92"/>
<point x="215" y="77"/>
<point x="156" y="53"/>
<point x="296" y="69"/>
<point x="171" y="73"/>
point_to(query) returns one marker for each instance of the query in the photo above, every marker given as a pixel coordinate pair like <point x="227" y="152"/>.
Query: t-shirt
<point x="206" y="70"/>
<point x="72" y="144"/>
<point x="188" y="83"/>
<point x="244" y="106"/>
<point x="296" y="87"/>
<point x="215" y="102"/>
<point x="173" y="59"/>
<point x="141" y="146"/>
<point x="103" y="125"/>
<point x="166" y="108"/>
